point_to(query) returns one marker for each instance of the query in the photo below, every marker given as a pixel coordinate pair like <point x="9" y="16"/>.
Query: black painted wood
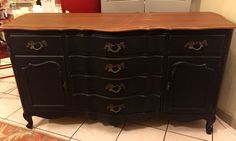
<point x="192" y="84"/>
<point x="116" y="67"/>
<point x="111" y="87"/>
<point x="118" y="76"/>
<point x="42" y="82"/>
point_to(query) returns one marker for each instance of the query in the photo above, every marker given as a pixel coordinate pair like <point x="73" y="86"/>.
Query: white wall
<point x="227" y="98"/>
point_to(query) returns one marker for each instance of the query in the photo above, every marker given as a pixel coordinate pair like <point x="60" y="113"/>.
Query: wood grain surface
<point x="115" y="22"/>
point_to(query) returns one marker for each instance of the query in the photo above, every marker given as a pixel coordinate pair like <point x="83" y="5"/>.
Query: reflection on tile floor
<point x="81" y="129"/>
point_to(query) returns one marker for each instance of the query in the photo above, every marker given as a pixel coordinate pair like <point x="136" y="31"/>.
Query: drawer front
<point x="126" y="67"/>
<point x="36" y="44"/>
<point x="113" y="46"/>
<point x="196" y="44"/>
<point x="140" y="85"/>
<point x="122" y="106"/>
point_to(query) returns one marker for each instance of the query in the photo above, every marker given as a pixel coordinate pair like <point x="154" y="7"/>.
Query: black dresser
<point x="117" y="67"/>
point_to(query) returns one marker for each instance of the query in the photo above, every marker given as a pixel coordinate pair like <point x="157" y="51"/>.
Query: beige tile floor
<point x="82" y="129"/>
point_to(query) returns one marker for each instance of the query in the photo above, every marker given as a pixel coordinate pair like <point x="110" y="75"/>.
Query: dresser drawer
<point x="113" y="46"/>
<point x="140" y="85"/>
<point x="196" y="44"/>
<point x="36" y="44"/>
<point x="116" y="106"/>
<point x="122" y="67"/>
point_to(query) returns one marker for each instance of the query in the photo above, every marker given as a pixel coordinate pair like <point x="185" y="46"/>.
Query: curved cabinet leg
<point x="28" y="118"/>
<point x="209" y="124"/>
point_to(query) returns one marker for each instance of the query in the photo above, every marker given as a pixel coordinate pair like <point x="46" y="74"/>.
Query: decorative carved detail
<point x="175" y="65"/>
<point x="42" y="64"/>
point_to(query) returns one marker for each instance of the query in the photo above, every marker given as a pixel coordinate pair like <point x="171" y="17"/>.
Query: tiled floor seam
<point x="15" y="122"/>
<point x="18" y="123"/>
<point x="74" y="139"/>
<point x="10" y="90"/>
<point x="166" y="131"/>
<point x="46" y="131"/>
<point x="149" y="126"/>
<point x="212" y="137"/>
<point x="77" y="130"/>
<point x="13" y="113"/>
<point x="120" y="132"/>
<point x="33" y="130"/>
<point x="2" y="118"/>
<point x="13" y="95"/>
<point x="2" y="95"/>
<point x="187" y="135"/>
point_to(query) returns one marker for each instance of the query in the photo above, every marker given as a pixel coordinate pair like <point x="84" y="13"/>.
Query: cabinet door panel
<point x="193" y="84"/>
<point x="40" y="81"/>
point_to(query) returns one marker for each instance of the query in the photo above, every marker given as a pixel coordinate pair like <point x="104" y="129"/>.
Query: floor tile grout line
<point x="34" y="129"/>
<point x="13" y="95"/>
<point x="54" y="135"/>
<point x="212" y="135"/>
<point x="120" y="132"/>
<point x="77" y="129"/>
<point x="1" y="96"/>
<point x="14" y="121"/>
<point x="46" y="131"/>
<point x="10" y="90"/>
<point x="74" y="139"/>
<point x="187" y="135"/>
<point x="164" y="138"/>
<point x="19" y="123"/>
<point x="149" y="126"/>
<point x="7" y="82"/>
<point x="10" y="94"/>
<point x="13" y="113"/>
<point x="2" y="118"/>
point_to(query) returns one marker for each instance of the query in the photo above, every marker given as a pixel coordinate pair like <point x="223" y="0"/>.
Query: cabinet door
<point x="193" y="84"/>
<point x="41" y="82"/>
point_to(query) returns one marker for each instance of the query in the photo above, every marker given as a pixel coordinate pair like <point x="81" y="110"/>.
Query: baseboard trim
<point x="226" y="118"/>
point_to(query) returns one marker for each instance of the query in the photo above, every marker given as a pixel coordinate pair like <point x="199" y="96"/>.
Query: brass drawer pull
<point x="115" y="68"/>
<point x="196" y="45"/>
<point x="36" y="45"/>
<point x="114" y="48"/>
<point x="115" y="88"/>
<point x="115" y="108"/>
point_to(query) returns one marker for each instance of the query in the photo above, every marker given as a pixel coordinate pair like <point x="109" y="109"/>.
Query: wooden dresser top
<point x="115" y="22"/>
